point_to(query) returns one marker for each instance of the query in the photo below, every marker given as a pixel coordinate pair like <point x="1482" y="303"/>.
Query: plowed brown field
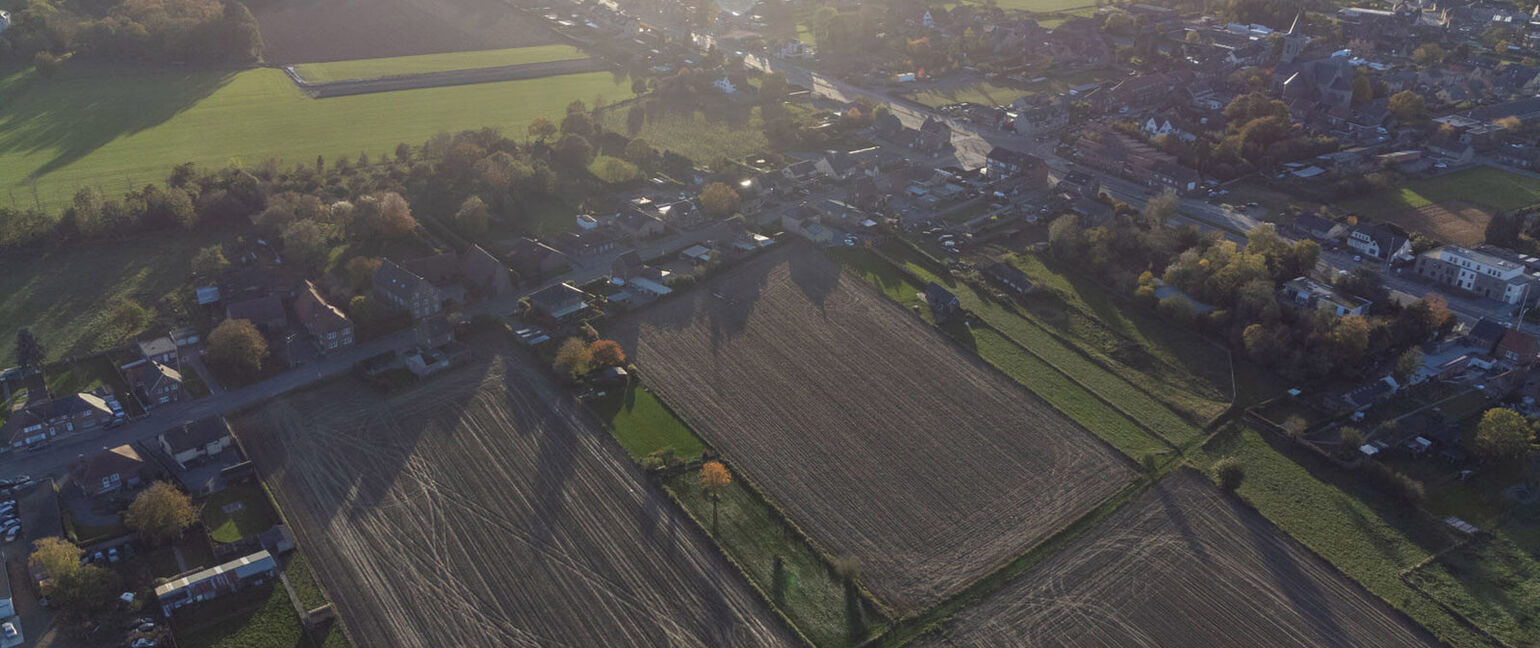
<point x="313" y="31"/>
<point x="1182" y="565"/>
<point x="484" y="509"/>
<point x="881" y="439"/>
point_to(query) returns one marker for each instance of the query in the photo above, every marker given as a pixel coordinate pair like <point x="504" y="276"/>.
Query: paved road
<point x="55" y="458"/>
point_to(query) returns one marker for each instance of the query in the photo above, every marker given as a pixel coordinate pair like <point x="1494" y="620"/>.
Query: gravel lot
<point x="483" y="508"/>
<point x="880" y="438"/>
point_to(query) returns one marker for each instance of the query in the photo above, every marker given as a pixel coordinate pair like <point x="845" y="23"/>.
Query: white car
<point x="10" y="536"/>
<point x="8" y="631"/>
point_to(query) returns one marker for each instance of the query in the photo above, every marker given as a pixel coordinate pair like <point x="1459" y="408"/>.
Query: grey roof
<point x="556" y="297"/>
<point x="196" y="434"/>
<point x="391" y="277"/>
<point x="157" y="346"/>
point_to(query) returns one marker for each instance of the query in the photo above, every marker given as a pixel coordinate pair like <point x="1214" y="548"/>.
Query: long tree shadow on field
<point x="75" y="115"/>
<point x="1178" y="518"/>
<point x="1290" y="580"/>
<point x="556" y="450"/>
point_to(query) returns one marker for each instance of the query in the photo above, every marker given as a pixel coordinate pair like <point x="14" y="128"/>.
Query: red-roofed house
<point x="1518" y="348"/>
<point x="331" y="329"/>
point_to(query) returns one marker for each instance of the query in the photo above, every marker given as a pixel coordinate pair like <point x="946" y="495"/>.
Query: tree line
<point x="1241" y="285"/>
<point x="201" y="31"/>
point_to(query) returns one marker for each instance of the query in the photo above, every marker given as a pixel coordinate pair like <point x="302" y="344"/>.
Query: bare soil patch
<point x="483" y="508"/>
<point x="1183" y="565"/>
<point x="881" y="439"/>
<point x="1456" y="221"/>
<point x="314" y="31"/>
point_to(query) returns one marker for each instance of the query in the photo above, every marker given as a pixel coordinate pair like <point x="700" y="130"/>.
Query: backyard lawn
<point x="65" y="306"/>
<point x="238" y="512"/>
<point x="643" y="425"/>
<point x="258" y="618"/>
<point x="703" y="136"/>
<point x="1484" y="186"/>
<point x="369" y="68"/>
<point x="121" y="130"/>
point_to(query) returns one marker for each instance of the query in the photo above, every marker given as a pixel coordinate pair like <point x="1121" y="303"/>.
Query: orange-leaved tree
<point x="607" y="353"/>
<point x="713" y="478"/>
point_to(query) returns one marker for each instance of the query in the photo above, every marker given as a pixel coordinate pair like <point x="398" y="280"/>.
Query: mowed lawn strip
<point x="121" y="131"/>
<point x="1069" y="397"/>
<point x="879" y="438"/>
<point x="1372" y="544"/>
<point x="1182" y="564"/>
<point x="370" y="68"/>
<point x="1030" y="335"/>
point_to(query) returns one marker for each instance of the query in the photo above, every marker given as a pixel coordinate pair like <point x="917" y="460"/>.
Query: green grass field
<point x="125" y="130"/>
<point x="254" y="516"/>
<point x="643" y="425"/>
<point x="987" y="94"/>
<point x="1354" y="527"/>
<point x="1483" y="186"/>
<point x="370" y="68"/>
<point x="304" y="583"/>
<point x="698" y="135"/>
<point x="61" y="293"/>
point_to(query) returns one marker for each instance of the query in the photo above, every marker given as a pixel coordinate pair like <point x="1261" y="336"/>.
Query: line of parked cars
<point x="10" y="512"/>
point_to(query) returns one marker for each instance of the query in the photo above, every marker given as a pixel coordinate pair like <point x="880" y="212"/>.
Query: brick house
<point x="109" y="470"/>
<point x="199" y="439"/>
<point x="402" y="289"/>
<point x="39" y="422"/>
<point x="328" y="326"/>
<point x="154" y="383"/>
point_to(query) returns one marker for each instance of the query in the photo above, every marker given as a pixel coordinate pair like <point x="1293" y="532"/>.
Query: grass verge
<point x="371" y="68"/>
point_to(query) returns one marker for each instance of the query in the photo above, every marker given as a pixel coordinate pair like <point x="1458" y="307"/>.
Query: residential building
<point x="559" y="302"/>
<point x="1485" y="335"/>
<point x="943" y="304"/>
<point x="1378" y="241"/>
<point x="265" y="312"/>
<point x="199" y="439"/>
<point x="154" y="383"/>
<point x="161" y="349"/>
<point x="1319" y="228"/>
<point x="109" y="471"/>
<point x="1517" y="348"/>
<point x="247" y="571"/>
<point x="532" y="259"/>
<point x="1005" y="163"/>
<point x="1009" y="276"/>
<point x="637" y="223"/>
<point x="475" y="275"/>
<point x="935" y="136"/>
<point x="1477" y="272"/>
<point x="402" y="289"/>
<point x="1309" y="293"/>
<point x="46" y="418"/>
<point x="330" y="329"/>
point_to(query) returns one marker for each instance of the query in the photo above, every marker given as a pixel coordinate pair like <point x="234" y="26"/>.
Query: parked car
<point x="8" y="630"/>
<point x="10" y="536"/>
